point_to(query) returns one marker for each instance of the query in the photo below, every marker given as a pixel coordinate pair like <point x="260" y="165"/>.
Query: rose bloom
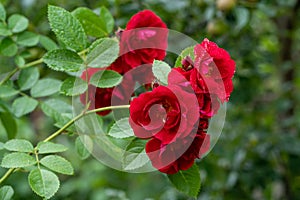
<point x="179" y="155"/>
<point x="214" y="67"/>
<point x="207" y="103"/>
<point x="144" y="39"/>
<point x="164" y="113"/>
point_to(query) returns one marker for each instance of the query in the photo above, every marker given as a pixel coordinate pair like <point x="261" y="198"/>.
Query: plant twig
<point x="9" y="75"/>
<point x="7" y="174"/>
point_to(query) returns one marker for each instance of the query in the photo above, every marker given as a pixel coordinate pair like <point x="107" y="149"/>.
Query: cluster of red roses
<point x="174" y="117"/>
<point x="142" y="41"/>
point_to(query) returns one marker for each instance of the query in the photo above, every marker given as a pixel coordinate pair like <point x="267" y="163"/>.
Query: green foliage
<point x="19" y="145"/>
<point x="48" y="43"/>
<point x="187" y="181"/>
<point x="57" y="164"/>
<point x="81" y="149"/>
<point x="8" y="47"/>
<point x="28" y="78"/>
<point x="45" y="87"/>
<point x="20" y="61"/>
<point x="161" y="71"/>
<point x="73" y="86"/>
<point x="27" y="39"/>
<point x="24" y="105"/>
<point x="17" y="159"/>
<point x="43" y="182"/>
<point x="67" y="28"/>
<point x="63" y="60"/>
<point x="9" y="123"/>
<point x="17" y="23"/>
<point x="103" y="52"/>
<point x="7" y="91"/>
<point x="6" y="191"/>
<point x="2" y="13"/>
<point x="106" y="19"/>
<point x="121" y="129"/>
<point x="4" y="31"/>
<point x="50" y="147"/>
<point x="56" y="109"/>
<point x="135" y="156"/>
<point x="92" y="23"/>
<point x="106" y="79"/>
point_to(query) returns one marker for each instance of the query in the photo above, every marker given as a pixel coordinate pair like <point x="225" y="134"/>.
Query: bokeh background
<point x="258" y="154"/>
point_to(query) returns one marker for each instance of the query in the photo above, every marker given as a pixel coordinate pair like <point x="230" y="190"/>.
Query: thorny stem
<point x="61" y="130"/>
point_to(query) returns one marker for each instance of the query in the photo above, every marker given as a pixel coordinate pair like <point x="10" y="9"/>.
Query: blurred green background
<point x="258" y="154"/>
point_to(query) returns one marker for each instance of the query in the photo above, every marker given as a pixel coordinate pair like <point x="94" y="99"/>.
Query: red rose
<point x="179" y="155"/>
<point x="120" y="65"/>
<point x="164" y="113"/>
<point x="214" y="67"/>
<point x="141" y="75"/>
<point x="144" y="39"/>
<point x="208" y="103"/>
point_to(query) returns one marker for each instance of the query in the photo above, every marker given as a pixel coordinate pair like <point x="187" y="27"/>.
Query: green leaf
<point x="24" y="105"/>
<point x="103" y="52"/>
<point x="17" y="23"/>
<point x="57" y="164"/>
<point x="19" y="145"/>
<point x="106" y="79"/>
<point x="73" y="86"/>
<point x="63" y="60"/>
<point x="121" y="129"/>
<point x="9" y="123"/>
<point x="161" y="71"/>
<point x="67" y="28"/>
<point x="55" y="109"/>
<point x="45" y="87"/>
<point x="189" y="51"/>
<point x="2" y="13"/>
<point x="65" y="118"/>
<point x="107" y="19"/>
<point x="187" y="181"/>
<point x="17" y="160"/>
<point x="19" y="61"/>
<point x="43" y="182"/>
<point x="6" y="192"/>
<point x="8" y="47"/>
<point x="91" y="22"/>
<point x="135" y="156"/>
<point x="7" y="91"/>
<point x="4" y="31"/>
<point x="27" y="39"/>
<point x="60" y="111"/>
<point x="81" y="149"/>
<point x="28" y="78"/>
<point x="48" y="43"/>
<point x="50" y="147"/>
